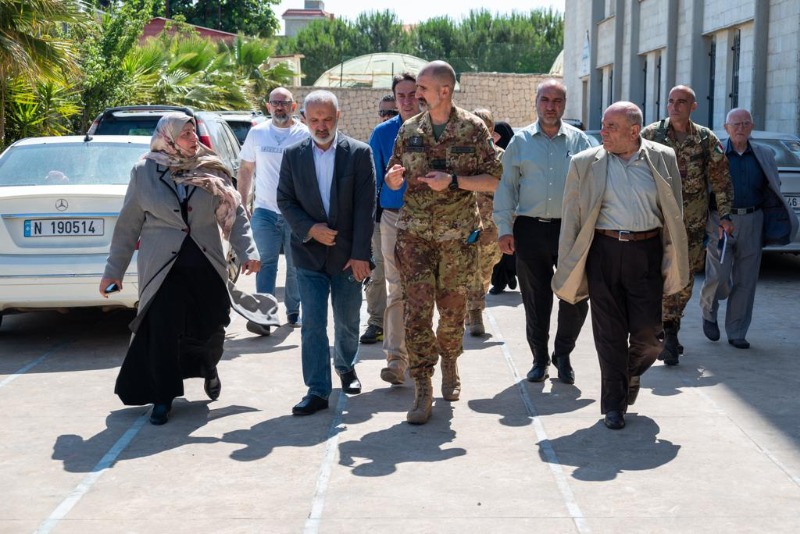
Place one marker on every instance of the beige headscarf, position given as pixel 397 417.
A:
pixel 204 170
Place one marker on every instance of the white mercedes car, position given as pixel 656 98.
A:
pixel 59 202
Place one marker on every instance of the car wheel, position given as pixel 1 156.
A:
pixel 234 266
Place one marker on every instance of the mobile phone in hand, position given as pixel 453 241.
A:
pixel 113 288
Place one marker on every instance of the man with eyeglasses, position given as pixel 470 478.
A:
pixel 404 89
pixel 375 291
pixel 387 107
pixel 261 156
pixel 703 168
pixel 761 216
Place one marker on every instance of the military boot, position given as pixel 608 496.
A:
pixel 423 399
pixel 394 372
pixel 670 353
pixel 475 321
pixel 451 382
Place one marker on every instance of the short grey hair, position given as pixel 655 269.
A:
pixel 552 82
pixel 321 96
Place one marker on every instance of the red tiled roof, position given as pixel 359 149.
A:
pixel 156 26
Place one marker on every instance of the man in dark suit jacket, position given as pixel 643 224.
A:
pixel 326 193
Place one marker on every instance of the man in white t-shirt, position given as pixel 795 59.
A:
pixel 261 155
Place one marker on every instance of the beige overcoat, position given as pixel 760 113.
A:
pixel 583 197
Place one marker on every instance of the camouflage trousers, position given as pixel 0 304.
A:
pixel 433 272
pixel 672 306
pixel 487 257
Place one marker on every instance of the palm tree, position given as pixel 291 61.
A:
pixel 250 59
pixel 32 42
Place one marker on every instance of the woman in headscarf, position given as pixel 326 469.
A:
pixel 505 271
pixel 179 206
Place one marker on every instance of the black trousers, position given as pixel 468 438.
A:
pixel 536 245
pixel 181 335
pixel 625 286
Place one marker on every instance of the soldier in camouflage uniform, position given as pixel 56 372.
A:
pixel 488 250
pixel 444 155
pixel 703 167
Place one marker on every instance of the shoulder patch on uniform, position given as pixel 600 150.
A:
pixel 718 149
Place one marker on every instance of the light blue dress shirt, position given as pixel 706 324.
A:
pixel 324 161
pixel 534 173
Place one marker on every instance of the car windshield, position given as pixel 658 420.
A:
pixel 69 163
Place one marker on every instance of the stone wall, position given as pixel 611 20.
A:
pixel 510 97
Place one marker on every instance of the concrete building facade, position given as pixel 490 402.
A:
pixel 733 53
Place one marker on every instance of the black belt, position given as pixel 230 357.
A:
pixel 625 235
pixel 743 211
pixel 393 210
pixel 543 220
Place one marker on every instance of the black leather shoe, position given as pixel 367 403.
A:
pixel 711 330
pixel 213 386
pixel 740 343
pixel 614 420
pixel 633 389
pixel 538 372
pixel 565 372
pixel 160 413
pixel 350 382
pixel 310 404
pixel 496 290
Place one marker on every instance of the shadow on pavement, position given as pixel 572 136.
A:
pixel 376 454
pixel 599 454
pixel 81 455
pixel 561 399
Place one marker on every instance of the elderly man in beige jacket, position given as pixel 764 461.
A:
pixel 622 244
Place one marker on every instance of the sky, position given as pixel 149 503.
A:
pixel 413 11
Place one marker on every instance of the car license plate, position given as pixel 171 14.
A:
pixel 63 227
pixel 794 202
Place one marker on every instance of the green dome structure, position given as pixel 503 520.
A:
pixel 370 70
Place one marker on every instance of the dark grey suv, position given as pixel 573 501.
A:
pixel 212 130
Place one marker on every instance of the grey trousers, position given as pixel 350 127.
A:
pixel 734 278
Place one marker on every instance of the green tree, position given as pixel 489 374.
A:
pixel 103 52
pixel 250 17
pixel 519 42
pixel 379 31
pixel 185 70
pixel 35 43
pixel 250 63
pixel 40 108
pixel 324 43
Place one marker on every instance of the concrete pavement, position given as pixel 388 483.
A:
pixel 711 446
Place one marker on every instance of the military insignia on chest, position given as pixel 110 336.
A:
pixel 415 144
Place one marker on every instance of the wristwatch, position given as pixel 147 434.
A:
pixel 453 183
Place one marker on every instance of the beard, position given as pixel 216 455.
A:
pixel 323 137
pixel 281 120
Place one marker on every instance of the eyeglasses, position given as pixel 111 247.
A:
pixel 280 103
pixel 388 112
pixel 742 124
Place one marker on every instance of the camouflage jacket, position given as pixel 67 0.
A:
pixel 703 167
pixel 465 148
